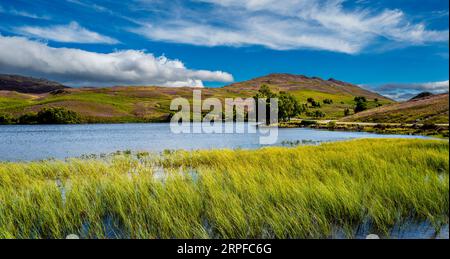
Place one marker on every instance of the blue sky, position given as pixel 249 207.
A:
pixel 397 47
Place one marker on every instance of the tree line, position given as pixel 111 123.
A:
pixel 52 115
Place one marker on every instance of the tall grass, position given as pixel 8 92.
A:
pixel 302 192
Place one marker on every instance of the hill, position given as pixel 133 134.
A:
pixel 296 83
pixel 151 103
pixel 302 87
pixel 23 84
pixel 421 95
pixel 428 109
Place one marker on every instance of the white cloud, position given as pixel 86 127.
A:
pixel 23 13
pixel 405 91
pixel 437 87
pixel 288 24
pixel 29 15
pixel 79 67
pixel 71 32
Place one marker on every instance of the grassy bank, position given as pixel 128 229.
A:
pixel 433 130
pixel 302 192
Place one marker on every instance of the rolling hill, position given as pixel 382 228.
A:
pixel 151 103
pixel 23 84
pixel 297 83
pixel 428 109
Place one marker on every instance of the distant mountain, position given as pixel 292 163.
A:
pixel 421 95
pixel 23 84
pixel 289 82
pixel 426 109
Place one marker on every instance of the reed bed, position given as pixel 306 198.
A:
pixel 299 192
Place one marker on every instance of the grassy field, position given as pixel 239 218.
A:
pixel 301 192
pixel 432 109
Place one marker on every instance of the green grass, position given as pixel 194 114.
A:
pixel 434 109
pixel 301 192
pixel 340 102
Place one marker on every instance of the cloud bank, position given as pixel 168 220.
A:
pixel 286 25
pixel 71 32
pixel 403 92
pixel 432 87
pixel 79 67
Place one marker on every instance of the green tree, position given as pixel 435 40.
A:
pixel 360 99
pixel 28 118
pixel 6 119
pixel 57 116
pixel 288 106
pixel 361 104
pixel 316 114
pixel 328 101
pixel 346 112
pixel 319 114
pixel 314 103
pixel 265 93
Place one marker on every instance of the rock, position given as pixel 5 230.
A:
pixel 72 236
pixel 372 236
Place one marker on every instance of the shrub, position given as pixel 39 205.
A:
pixel 429 126
pixel 331 125
pixel 380 126
pixel 307 123
pixel 6 119
pixel 28 118
pixel 361 99
pixel 360 106
pixel 328 101
pixel 346 112
pixel 316 114
pixel 313 102
pixel 57 116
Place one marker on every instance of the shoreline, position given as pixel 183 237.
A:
pixel 431 130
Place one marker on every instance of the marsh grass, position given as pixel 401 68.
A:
pixel 301 192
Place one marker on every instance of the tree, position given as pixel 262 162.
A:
pixel 331 125
pixel 346 112
pixel 328 101
pixel 288 106
pixel 319 114
pixel 360 99
pixel 316 114
pixel 28 118
pixel 57 116
pixel 265 93
pixel 6 119
pixel 361 104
